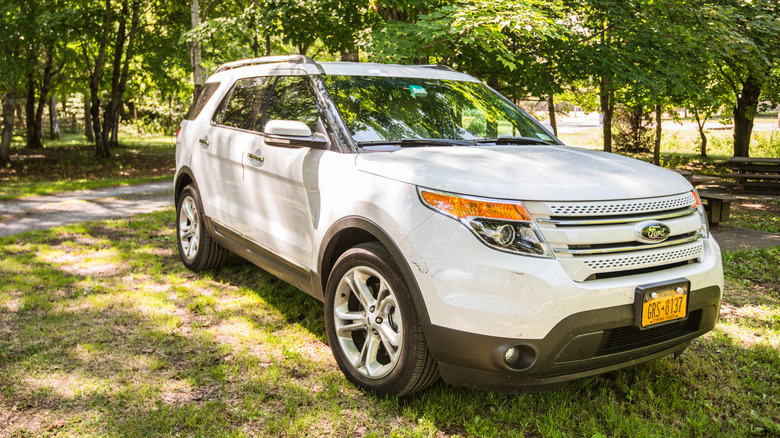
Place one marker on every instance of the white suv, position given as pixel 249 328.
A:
pixel 448 233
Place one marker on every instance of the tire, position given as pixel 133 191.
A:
pixel 372 324
pixel 198 251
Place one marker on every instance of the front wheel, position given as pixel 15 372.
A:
pixel 197 249
pixel 372 325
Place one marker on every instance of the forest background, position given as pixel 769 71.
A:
pixel 110 67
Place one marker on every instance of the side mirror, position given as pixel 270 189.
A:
pixel 291 128
pixel 292 133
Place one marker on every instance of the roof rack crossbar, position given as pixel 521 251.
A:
pixel 293 59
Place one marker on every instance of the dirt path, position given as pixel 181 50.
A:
pixel 42 212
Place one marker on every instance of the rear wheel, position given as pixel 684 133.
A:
pixel 198 251
pixel 372 324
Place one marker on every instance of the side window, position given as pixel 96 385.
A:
pixel 200 101
pixel 292 99
pixel 244 107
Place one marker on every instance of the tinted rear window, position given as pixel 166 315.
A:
pixel 200 101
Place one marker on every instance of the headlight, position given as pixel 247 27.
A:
pixel 502 225
pixel 705 226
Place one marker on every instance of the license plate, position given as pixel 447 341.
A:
pixel 662 304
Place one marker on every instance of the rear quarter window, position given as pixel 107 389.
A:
pixel 201 99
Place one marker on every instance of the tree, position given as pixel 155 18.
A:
pixel 746 54
pixel 123 52
pixel 11 22
pixel 44 30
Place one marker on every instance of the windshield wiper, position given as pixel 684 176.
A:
pixel 514 140
pixel 418 142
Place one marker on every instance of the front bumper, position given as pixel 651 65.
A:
pixel 581 345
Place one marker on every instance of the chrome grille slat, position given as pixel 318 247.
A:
pixel 621 220
pixel 580 252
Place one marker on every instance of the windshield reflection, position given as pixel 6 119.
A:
pixel 377 109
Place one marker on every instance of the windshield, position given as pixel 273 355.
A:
pixel 389 109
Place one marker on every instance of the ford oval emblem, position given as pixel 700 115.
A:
pixel 652 232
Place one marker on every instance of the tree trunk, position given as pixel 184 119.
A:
pixel 9 105
pixel 19 116
pixel 700 124
pixel 197 68
pixel 119 75
pixel 54 123
pixel 350 56
pixel 267 44
pixel 89 132
pixel 111 108
pixel 48 75
pixel 551 111
pixel 94 85
pixel 744 114
pixel 33 139
pixel 606 98
pixel 657 145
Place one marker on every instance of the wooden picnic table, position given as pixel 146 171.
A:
pixel 755 172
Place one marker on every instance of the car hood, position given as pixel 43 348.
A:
pixel 532 173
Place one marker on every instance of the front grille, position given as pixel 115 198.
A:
pixel 628 338
pixel 597 238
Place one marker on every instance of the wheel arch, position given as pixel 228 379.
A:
pixel 183 178
pixel 351 231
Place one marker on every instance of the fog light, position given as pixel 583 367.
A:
pixel 520 357
pixel 511 356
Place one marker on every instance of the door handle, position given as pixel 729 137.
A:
pixel 204 142
pixel 255 156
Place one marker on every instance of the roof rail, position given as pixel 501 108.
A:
pixel 292 59
pixel 438 67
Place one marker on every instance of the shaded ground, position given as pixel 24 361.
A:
pixel 732 238
pixel 78 162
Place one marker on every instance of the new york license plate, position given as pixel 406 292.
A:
pixel 664 304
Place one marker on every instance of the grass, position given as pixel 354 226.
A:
pixel 680 149
pixel 755 213
pixel 104 333
pixel 69 164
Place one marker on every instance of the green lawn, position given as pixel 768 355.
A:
pixel 69 164
pixel 680 149
pixel 104 333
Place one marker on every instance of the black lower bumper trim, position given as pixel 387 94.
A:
pixel 581 345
